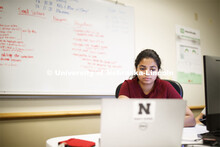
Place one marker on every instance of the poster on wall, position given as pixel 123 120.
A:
pixel 189 58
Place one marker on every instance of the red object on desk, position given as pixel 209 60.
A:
pixel 73 142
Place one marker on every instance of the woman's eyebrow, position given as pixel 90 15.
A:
pixel 146 66
pixel 143 65
pixel 153 66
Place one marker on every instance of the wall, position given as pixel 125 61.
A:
pixel 35 132
pixel 155 28
pixel 155 22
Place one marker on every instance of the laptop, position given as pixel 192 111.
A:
pixel 142 122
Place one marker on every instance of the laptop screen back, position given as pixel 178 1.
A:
pixel 142 122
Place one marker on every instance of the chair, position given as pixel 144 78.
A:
pixel 175 84
pixel 118 90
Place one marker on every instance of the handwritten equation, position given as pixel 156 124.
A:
pixel 12 47
pixel 60 6
pixel 89 45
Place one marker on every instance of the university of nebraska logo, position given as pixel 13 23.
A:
pixel 144 111
pixel 143 108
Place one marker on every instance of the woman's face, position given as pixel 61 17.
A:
pixel 147 71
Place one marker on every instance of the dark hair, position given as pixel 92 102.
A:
pixel 148 53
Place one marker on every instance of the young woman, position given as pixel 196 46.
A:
pixel 147 84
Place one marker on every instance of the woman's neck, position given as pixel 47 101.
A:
pixel 147 88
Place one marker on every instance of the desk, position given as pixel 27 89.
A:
pixel 190 134
pixel 189 137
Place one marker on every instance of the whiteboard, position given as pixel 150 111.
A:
pixel 67 47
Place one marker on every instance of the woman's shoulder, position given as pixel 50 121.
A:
pixel 131 81
pixel 167 86
pixel 162 82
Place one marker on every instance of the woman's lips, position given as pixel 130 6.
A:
pixel 146 78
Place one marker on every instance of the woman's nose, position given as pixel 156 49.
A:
pixel 147 72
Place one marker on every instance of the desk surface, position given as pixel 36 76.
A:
pixel 189 137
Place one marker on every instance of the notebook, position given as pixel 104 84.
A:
pixel 142 122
